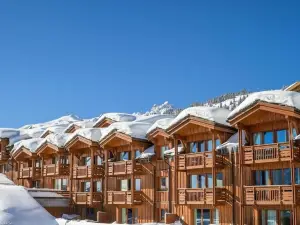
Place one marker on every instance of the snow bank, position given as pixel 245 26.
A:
pixel 285 98
pixel 232 144
pixel 214 114
pixel 117 117
pixel 162 124
pixel 17 207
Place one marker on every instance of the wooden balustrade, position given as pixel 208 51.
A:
pixel 124 197
pixel 123 168
pixel 86 171
pixel 28 172
pixel 87 198
pixel 267 153
pixel 56 170
pixel 268 195
pixel 200 195
pixel 198 160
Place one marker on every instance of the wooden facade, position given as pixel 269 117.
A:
pixel 257 184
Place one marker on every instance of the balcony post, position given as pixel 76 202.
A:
pixel 57 171
pixel 176 168
pixel 42 171
pixel 214 167
pixel 92 173
pixel 71 172
pixel 241 155
pixel 106 175
pixel 33 168
pixel 132 173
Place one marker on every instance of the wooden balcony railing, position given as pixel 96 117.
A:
pixel 86 171
pixel 123 168
pixel 28 172
pixel 162 196
pixel 267 153
pixel 87 198
pixel 56 170
pixel 4 155
pixel 124 197
pixel 198 160
pixel 268 195
pixel 200 195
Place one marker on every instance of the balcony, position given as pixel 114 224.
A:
pixel 56 170
pixel 124 197
pixel 191 196
pixel 4 155
pixel 87 198
pixel 266 153
pixel 28 172
pixel 81 172
pixel 268 195
pixel 123 168
pixel 198 160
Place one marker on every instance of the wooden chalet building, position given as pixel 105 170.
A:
pixel 205 166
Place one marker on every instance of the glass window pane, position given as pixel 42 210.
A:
pixel 271 217
pixel 201 180
pixel 268 137
pixel 193 147
pixel 216 217
pixel 64 184
pixel 87 161
pixel 209 181
pixel 86 186
pixel 124 215
pixel 201 145
pixel 162 214
pixel 98 186
pixel 285 217
pixel 206 216
pixel 193 180
pixel 219 177
pixel 294 133
pixel 276 177
pixel 124 156
pixel 137 153
pixel 287 176
pixel 124 185
pixel 218 142
pixel 297 175
pixel 197 216
pixel 98 160
pixel 257 139
pixel 137 184
pixel 209 145
pixel 282 136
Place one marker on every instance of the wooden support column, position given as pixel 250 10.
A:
pixel 214 167
pixel 132 175
pixel 93 150
pixel 42 171
pixel 176 168
pixel 71 172
pixel 106 176
pixel 33 171
pixel 57 172
pixel 240 134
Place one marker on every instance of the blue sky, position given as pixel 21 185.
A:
pixel 89 57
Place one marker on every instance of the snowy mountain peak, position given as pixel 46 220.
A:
pixel 163 109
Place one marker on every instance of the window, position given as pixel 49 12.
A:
pixel 285 217
pixel 209 181
pixel 276 177
pixel 193 181
pixel 86 186
pixel 216 217
pixel 36 184
pixel 201 146
pixel 193 147
pixel 98 160
pixel 125 156
pixel 64 160
pixel 162 151
pixel 268 217
pixel 209 145
pixel 162 215
pixel 86 161
pixel 164 183
pixel 219 177
pixel 201 181
pixel 257 139
pixel 98 186
pixel 218 142
pixel 268 137
pixel 125 185
pixel 297 175
pixel 202 216
pixel 287 176
pixel 282 136
pixel 37 163
pixel 137 153
pixel 273 177
pixel 294 133
pixel 137 184
pixel 261 177
pixel 64 184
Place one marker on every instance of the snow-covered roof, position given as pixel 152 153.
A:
pixel 152 118
pixel 117 117
pixel 30 144
pixel 214 114
pixel 8 132
pixel 5 180
pixel 232 144
pixel 171 152
pixel 292 86
pixel 133 129
pixel 57 139
pixel 83 124
pixel 285 98
pixel 92 134
pixel 162 124
pixel 43 193
pixel 148 153
pixel 54 129
pixel 18 207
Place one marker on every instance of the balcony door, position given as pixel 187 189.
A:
pixel 276 217
pixel 129 216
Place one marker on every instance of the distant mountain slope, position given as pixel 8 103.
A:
pixel 164 109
